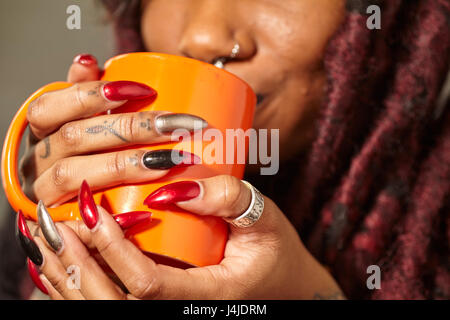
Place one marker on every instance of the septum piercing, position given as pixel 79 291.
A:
pixel 220 62
pixel 235 51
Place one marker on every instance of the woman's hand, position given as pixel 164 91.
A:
pixel 265 260
pixel 68 135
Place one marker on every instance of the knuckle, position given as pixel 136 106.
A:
pixel 60 174
pixel 106 245
pixel 232 189
pixel 128 126
pixel 144 286
pixel 36 110
pixel 70 134
pixel 116 165
pixel 216 281
pixel 139 284
pixel 83 233
pixel 26 166
pixel 58 282
pixel 79 97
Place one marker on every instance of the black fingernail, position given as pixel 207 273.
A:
pixel 166 159
pixel 26 241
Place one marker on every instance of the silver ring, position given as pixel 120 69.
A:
pixel 254 211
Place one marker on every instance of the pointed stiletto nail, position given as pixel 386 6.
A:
pixel 34 274
pixel 127 90
pixel 85 59
pixel 171 193
pixel 25 239
pixel 49 229
pixel 87 206
pixel 166 159
pixel 130 219
pixel 168 123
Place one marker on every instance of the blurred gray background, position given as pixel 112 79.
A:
pixel 36 48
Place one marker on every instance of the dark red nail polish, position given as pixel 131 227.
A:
pixel 127 90
pixel 86 204
pixel 171 193
pixel 26 241
pixel 130 219
pixel 85 59
pixel 22 225
pixel 34 274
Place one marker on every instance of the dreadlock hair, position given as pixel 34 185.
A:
pixel 375 189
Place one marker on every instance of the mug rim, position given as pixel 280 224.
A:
pixel 167 56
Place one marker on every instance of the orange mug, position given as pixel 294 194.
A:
pixel 173 237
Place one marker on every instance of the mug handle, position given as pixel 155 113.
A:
pixel 10 154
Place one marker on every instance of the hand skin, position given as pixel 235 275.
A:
pixel 65 138
pixel 264 261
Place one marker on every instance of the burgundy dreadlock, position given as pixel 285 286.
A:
pixel 376 186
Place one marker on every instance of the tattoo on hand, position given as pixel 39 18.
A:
pixel 146 125
pixel 334 296
pixel 106 127
pixel 94 92
pixel 47 148
pixel 134 160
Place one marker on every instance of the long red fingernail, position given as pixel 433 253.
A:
pixel 85 59
pixel 127 90
pixel 34 274
pixel 86 204
pixel 130 219
pixel 171 193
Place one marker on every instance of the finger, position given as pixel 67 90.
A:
pixel 54 239
pixel 34 275
pixel 51 110
pixel 140 275
pixel 92 280
pixel 62 181
pixel 28 234
pixel 222 196
pixel 52 292
pixel 107 132
pixel 84 68
pixel 56 273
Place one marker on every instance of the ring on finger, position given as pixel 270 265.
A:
pixel 253 212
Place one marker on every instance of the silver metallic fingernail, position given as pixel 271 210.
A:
pixel 167 123
pixel 48 227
